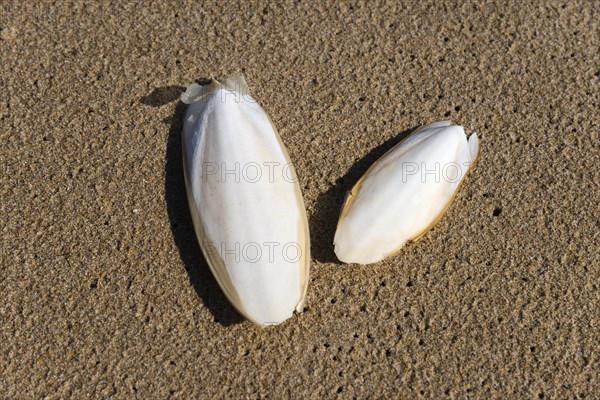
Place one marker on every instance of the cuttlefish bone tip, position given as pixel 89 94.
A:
pixel 473 143
pixel 196 91
pixel 192 93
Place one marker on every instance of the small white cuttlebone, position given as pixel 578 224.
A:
pixel 245 201
pixel 404 193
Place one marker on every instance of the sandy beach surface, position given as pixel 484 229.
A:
pixel 104 292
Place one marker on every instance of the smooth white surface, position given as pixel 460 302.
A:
pixel 237 217
pixel 404 193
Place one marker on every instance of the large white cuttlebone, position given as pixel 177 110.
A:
pixel 404 193
pixel 245 201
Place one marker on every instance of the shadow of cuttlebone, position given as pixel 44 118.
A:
pixel 180 218
pixel 323 221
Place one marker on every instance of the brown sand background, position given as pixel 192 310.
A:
pixel 103 289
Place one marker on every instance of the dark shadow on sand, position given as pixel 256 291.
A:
pixel 323 221
pixel 179 214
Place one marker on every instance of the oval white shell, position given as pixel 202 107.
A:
pixel 404 193
pixel 245 202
